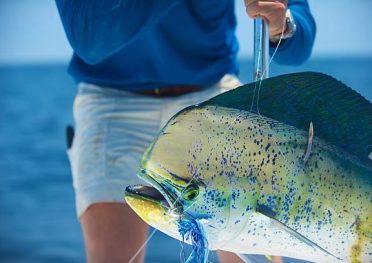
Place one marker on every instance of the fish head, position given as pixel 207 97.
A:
pixel 172 198
pixel 188 182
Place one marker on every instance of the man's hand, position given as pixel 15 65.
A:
pixel 273 12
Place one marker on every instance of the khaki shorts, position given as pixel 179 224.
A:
pixel 112 130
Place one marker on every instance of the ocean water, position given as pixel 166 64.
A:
pixel 37 214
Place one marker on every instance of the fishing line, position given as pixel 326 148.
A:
pixel 267 66
pixel 143 245
pixel 256 69
pixel 182 252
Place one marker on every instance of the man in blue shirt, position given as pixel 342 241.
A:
pixel 137 63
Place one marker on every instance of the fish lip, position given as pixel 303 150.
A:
pixel 147 193
pixel 171 199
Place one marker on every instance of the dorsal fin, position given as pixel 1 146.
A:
pixel 341 116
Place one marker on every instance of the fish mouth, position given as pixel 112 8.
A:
pixel 159 192
pixel 155 204
pixel 148 193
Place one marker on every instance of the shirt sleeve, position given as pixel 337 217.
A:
pixel 97 29
pixel 297 49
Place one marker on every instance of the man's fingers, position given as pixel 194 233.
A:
pixel 272 12
pixel 248 2
pixel 265 9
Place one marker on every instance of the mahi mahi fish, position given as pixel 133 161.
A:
pixel 278 168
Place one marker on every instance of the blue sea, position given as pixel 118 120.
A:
pixel 37 220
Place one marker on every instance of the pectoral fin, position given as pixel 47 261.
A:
pixel 266 211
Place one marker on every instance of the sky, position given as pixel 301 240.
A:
pixel 31 31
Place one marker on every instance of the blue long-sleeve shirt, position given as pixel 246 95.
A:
pixel 146 44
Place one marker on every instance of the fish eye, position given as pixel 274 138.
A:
pixel 191 192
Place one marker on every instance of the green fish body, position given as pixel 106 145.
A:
pixel 267 177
